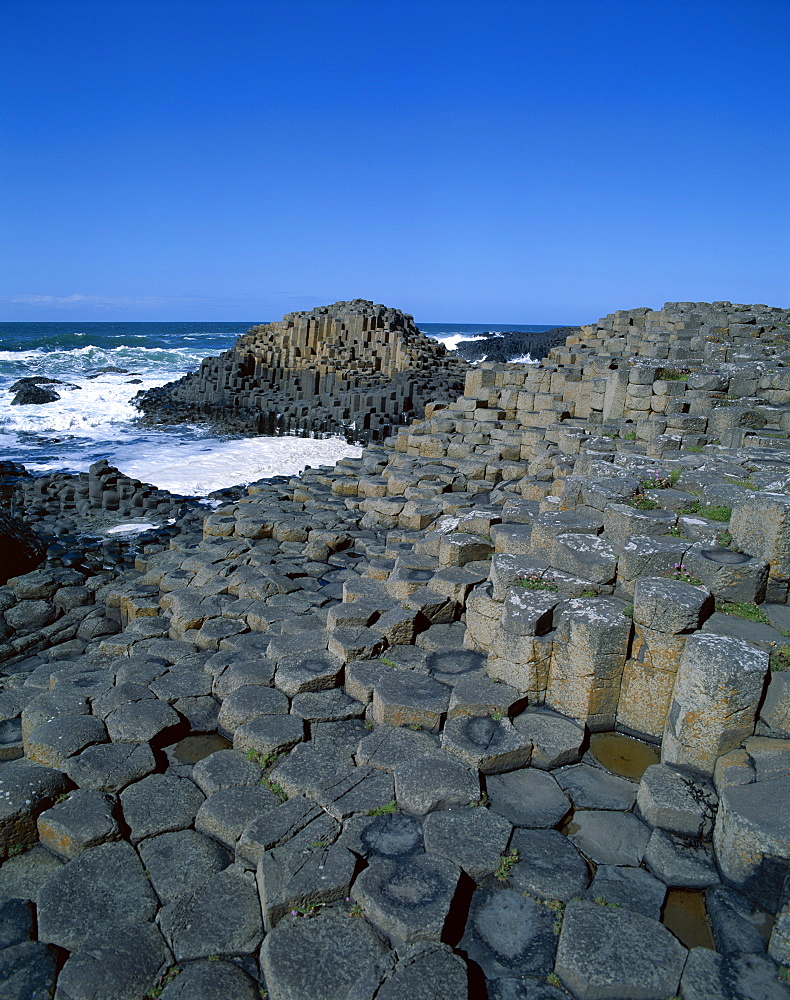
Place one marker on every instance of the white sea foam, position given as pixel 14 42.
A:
pixel 524 359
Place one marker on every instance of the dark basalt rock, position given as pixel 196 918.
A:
pixel 506 346
pixel 22 548
pixel 352 368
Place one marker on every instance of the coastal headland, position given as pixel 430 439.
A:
pixel 499 709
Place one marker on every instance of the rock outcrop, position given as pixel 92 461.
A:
pixel 395 671
pixel 353 368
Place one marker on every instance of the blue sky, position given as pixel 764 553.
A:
pixel 510 161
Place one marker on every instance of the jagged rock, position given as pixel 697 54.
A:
pixel 26 790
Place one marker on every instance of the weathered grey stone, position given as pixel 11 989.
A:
pixel 120 694
pixel 408 901
pixel 528 612
pixel 249 702
pixel 528 798
pixel 242 673
pixel 609 838
pixel 426 971
pixel 729 575
pixel 523 989
pixel 714 704
pixel 761 527
pixel 223 916
pixel 779 944
pixel 770 757
pixel 509 934
pixel 406 699
pixel 225 769
pixel 317 671
pixel 680 863
pixel 362 790
pixel 775 710
pixel 270 734
pixel 211 980
pixel 53 742
pixel 117 962
pixel 342 950
pixel 670 606
pixel 306 871
pixel 438 781
pixel 142 722
pixel 710 976
pixel 103 884
pixel 734 921
pixel 181 862
pixel 23 875
pixel 591 788
pixel 389 746
pixel 676 801
pixel 308 770
pixel 550 867
pixel 632 888
pixel 16 921
pixel 391 835
pixel 490 745
pixel 326 706
pixel 110 767
pixel 27 971
pixel 160 803
pixel 85 819
pixel 274 827
pixel 555 740
pixel 180 682
pixel 473 839
pixel 451 664
pixel 752 839
pixel 225 814
pixel 476 694
pixel 26 790
pixel 605 952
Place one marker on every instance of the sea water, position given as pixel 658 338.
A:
pixel 96 418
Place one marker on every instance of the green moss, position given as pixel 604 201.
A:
pixel 383 810
pixel 506 864
pixel 742 609
pixel 693 447
pixel 780 659
pixel 717 513
pixel 642 502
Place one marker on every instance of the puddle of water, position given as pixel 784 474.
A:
pixel 194 748
pixel 623 755
pixel 684 914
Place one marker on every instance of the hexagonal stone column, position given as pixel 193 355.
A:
pixel 714 703
pixel 85 819
pixel 409 901
pixel 490 745
pixel 403 698
pixel 510 935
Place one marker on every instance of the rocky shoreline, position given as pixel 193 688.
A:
pixel 402 664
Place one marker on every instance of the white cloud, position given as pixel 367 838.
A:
pixel 97 301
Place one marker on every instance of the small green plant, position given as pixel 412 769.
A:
pixel 506 864
pixel 589 593
pixel 275 788
pixel 368 724
pixel 692 508
pixel 681 573
pixel 747 484
pixel 717 513
pixel 780 659
pixel 383 810
pixel 554 980
pixel 673 374
pixel 537 581
pixel 415 727
pixel 742 609
pixel 482 801
pixel 61 798
pixel 213 957
pixel 356 911
pixel 628 611
pixel 321 842
pixel 603 901
pixel 675 532
pixel 557 907
pixel 307 910
pixel 693 447
pixel 387 662
pixel 784 973
pixel 163 981
pixel 724 538
pixel 263 759
pixel 630 436
pixel 496 714
pixel 15 850
pixel 653 480
pixel 641 501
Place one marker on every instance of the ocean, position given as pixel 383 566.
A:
pixel 95 417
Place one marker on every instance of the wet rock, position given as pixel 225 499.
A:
pixel 85 819
pixel 528 798
pixel 605 952
pixel 22 548
pixel 392 835
pixel 680 862
pixel 676 802
pixel 549 865
pixel 117 962
pixel 408 901
pixel 509 934
pixel 181 862
pixel 94 889
pixel 490 745
pixel 734 921
pixel 158 804
pixel 27 971
pixel 473 839
pixel 342 949
pixel 223 916
pixel 16 921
